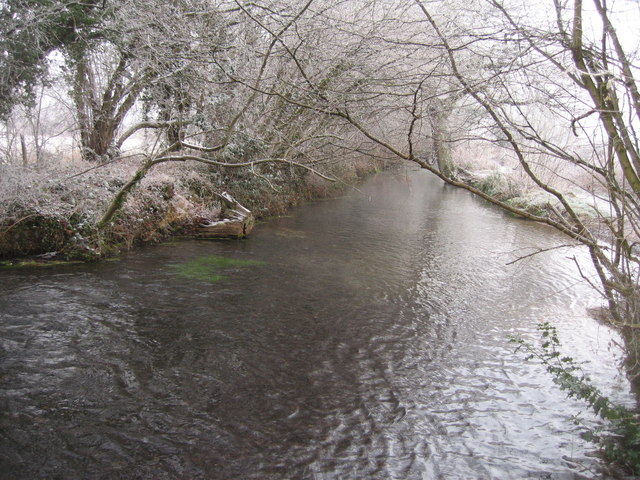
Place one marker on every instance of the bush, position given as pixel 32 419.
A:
pixel 622 446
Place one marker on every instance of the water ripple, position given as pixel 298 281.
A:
pixel 372 344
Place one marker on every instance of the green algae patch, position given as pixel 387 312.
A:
pixel 290 233
pixel 212 268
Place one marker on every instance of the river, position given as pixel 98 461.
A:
pixel 362 337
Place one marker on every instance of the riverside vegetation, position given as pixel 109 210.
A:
pixel 622 444
pixel 161 105
pixel 46 219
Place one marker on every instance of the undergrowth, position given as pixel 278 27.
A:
pixel 54 211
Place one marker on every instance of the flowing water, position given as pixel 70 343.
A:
pixel 362 337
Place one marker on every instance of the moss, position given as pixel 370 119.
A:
pixel 32 233
pixel 30 263
pixel 212 268
pixel 81 248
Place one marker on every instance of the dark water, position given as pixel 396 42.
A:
pixel 370 344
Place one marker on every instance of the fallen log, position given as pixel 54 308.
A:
pixel 235 221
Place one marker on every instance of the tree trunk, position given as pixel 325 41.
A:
pixel 236 221
pixel 439 115
pixel 23 146
pixel 100 113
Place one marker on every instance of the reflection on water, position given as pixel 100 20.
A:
pixel 361 338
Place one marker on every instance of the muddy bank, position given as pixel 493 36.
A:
pixel 52 215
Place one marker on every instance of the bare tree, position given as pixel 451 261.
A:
pixel 243 136
pixel 407 75
pixel 558 66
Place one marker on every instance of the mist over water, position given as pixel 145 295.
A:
pixel 363 337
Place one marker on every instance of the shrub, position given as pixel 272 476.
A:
pixel 622 445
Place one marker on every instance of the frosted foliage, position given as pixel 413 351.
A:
pixel 58 191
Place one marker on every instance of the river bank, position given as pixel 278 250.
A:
pixel 49 214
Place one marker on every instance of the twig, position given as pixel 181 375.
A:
pixel 541 250
pixel 95 167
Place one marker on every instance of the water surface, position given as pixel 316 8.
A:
pixel 363 337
